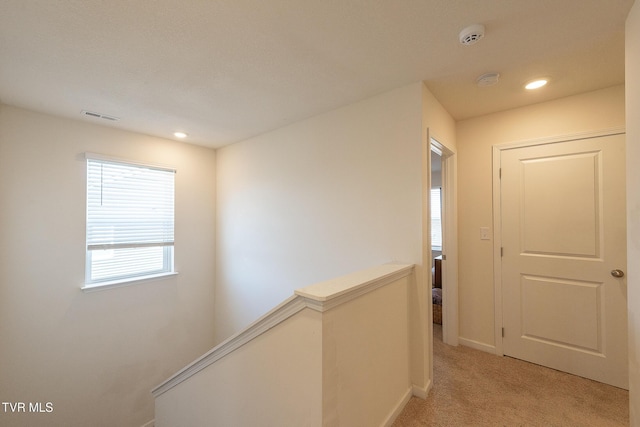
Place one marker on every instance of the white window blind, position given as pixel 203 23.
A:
pixel 130 221
pixel 436 218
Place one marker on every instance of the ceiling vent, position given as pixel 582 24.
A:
pixel 99 116
pixel 488 79
pixel 471 35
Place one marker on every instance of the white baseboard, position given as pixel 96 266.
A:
pixel 477 345
pixel 421 392
pixel 398 408
pixel 151 423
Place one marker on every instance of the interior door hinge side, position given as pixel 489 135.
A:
pixel 502 332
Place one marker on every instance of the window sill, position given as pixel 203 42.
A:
pixel 93 287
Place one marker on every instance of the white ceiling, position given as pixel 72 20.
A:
pixel 225 70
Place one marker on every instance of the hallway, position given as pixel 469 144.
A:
pixel 474 388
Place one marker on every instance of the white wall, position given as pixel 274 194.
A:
pixel 315 200
pixel 273 380
pixel 95 355
pixel 633 205
pixel 321 198
pixel 591 111
pixel 437 121
pixel 366 357
pixel 436 171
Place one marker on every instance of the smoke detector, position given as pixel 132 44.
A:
pixel 488 79
pixel 471 35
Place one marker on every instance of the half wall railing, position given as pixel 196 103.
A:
pixel 334 354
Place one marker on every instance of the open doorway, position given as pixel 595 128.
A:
pixel 443 240
pixel 436 236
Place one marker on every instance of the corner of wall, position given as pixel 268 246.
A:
pixel 632 55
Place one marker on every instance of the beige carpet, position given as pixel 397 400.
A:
pixel 474 388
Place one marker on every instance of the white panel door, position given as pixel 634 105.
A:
pixel 563 235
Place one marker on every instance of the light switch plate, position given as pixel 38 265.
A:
pixel 484 233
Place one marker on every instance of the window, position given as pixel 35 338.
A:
pixel 130 219
pixel 436 218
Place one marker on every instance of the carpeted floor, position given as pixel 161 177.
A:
pixel 474 388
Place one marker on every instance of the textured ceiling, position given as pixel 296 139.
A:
pixel 225 70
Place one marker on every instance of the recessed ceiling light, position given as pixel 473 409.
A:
pixel 536 84
pixel 180 135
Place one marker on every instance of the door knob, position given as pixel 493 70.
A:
pixel 617 273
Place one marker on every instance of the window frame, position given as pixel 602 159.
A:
pixel 168 252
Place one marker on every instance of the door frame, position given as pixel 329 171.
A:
pixel 497 212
